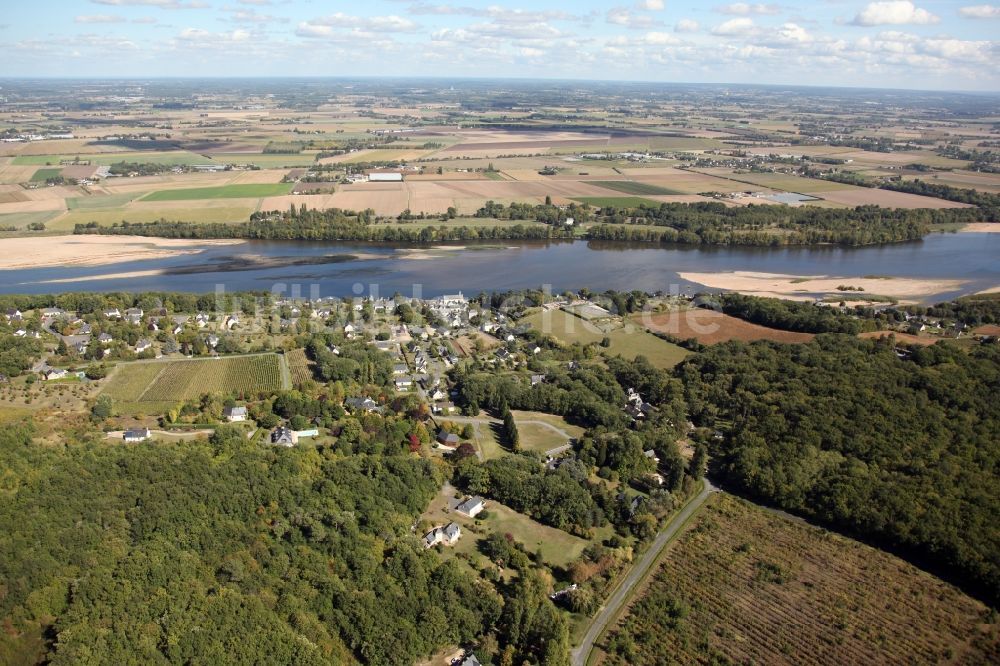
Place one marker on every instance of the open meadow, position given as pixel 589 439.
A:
pixel 626 339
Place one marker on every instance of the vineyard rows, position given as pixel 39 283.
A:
pixel 175 381
pixel 746 586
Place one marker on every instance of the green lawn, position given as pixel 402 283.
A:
pixel 44 174
pixel 626 340
pixel 221 192
pixel 558 548
pixel 633 187
pixel 617 202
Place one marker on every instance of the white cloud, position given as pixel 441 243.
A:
pixel 99 18
pixel 237 15
pixel 788 35
pixel 746 9
pixel 162 4
pixel 687 25
pixel 650 5
pixel 327 26
pixel 204 36
pixel 980 11
pixel 894 12
pixel 735 27
pixel 624 17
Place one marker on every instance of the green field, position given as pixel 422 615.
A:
pixel 98 202
pixel 627 341
pixel 632 187
pixel 44 174
pixel 617 202
pixel 24 219
pixel 221 192
pixel 269 161
pixel 153 386
pixel 202 215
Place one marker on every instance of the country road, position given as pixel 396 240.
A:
pixel 623 592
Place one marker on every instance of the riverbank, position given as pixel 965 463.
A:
pixel 87 250
pixel 805 288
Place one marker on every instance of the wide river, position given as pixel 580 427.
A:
pixel 342 269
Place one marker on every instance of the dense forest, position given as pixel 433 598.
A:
pixel 228 553
pixel 718 224
pixel 843 431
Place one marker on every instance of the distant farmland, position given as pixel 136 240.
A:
pixel 153 386
pixel 221 192
pixel 634 187
pixel 617 202
pixel 745 586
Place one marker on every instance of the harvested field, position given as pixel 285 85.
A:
pixel 866 196
pixel 987 329
pixel 710 327
pixel 743 585
pixel 615 202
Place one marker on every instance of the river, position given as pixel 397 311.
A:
pixel 342 269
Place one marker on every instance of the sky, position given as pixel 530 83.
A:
pixel 918 44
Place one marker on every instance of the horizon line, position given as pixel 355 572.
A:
pixel 419 77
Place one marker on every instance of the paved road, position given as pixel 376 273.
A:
pixel 623 592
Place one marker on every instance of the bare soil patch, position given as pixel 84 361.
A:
pixel 710 327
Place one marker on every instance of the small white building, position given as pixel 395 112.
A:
pixel 235 414
pixel 385 177
pixel 136 435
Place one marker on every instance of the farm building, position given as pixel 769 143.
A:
pixel 385 177
pixel 471 507
pixel 136 435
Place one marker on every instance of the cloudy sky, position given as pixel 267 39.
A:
pixel 925 44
